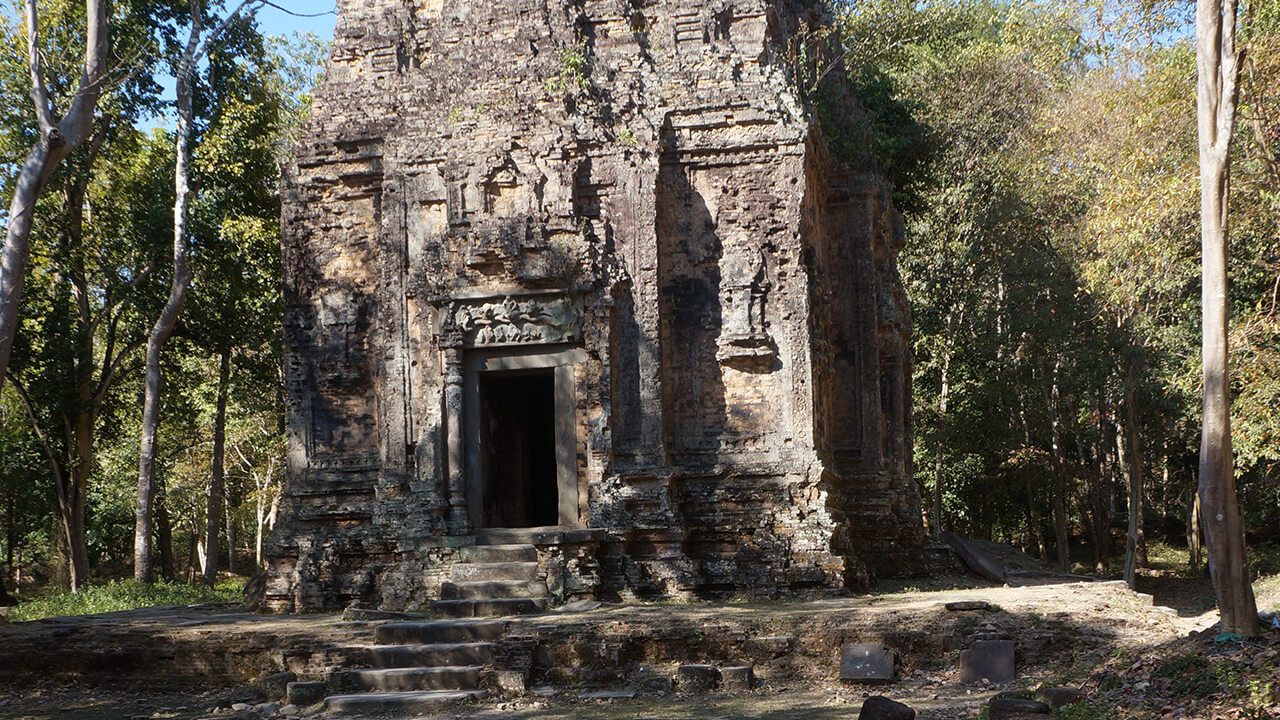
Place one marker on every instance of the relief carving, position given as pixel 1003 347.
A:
pixel 514 321
pixel 745 333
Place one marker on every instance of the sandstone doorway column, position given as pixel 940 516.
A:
pixel 455 444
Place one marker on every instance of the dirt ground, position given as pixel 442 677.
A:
pixel 1132 656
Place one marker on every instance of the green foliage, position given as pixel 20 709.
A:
pixel 574 77
pixel 120 595
pixel 99 277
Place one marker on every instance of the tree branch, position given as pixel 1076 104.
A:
pixel 112 302
pixel 35 427
pixel 39 93
pixel 254 5
pixel 109 373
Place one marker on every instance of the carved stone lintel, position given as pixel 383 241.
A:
pixel 515 321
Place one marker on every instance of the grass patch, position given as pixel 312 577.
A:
pixel 124 595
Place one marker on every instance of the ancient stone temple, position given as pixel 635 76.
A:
pixel 581 283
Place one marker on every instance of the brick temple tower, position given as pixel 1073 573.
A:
pixel 584 280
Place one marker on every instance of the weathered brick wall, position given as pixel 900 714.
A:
pixel 725 290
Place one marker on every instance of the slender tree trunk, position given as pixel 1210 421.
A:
pixel 1218 65
pixel 1193 530
pixel 11 536
pixel 164 535
pixel 231 536
pixel 1136 540
pixel 217 481
pixel 142 561
pixel 260 518
pixel 57 140
pixel 942 425
pixel 1060 531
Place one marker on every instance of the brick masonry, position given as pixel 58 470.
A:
pixel 631 197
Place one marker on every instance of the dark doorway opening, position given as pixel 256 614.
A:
pixel 518 423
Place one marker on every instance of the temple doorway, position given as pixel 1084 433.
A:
pixel 518 427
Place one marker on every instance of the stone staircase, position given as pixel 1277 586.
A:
pixel 493 579
pixel 420 667
pixel 426 666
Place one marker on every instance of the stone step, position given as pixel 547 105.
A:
pixel 400 702
pixel 550 535
pixel 520 536
pixel 482 608
pixel 494 572
pixel 420 678
pixel 429 655
pixel 492 590
pixel 498 553
pixel 447 631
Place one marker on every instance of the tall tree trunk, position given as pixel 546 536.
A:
pixel 142 561
pixel 57 140
pixel 11 537
pixel 231 536
pixel 942 433
pixel 260 513
pixel 1218 65
pixel 164 535
pixel 1136 540
pixel 217 480
pixel 194 51
pixel 1060 530
pixel 1193 530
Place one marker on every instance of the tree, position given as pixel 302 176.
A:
pixel 196 47
pixel 58 138
pixel 1218 65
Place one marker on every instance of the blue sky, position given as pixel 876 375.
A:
pixel 275 21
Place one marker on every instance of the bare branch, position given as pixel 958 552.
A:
pixel 115 300
pixel 109 373
pixel 253 8
pixel 35 427
pixel 39 93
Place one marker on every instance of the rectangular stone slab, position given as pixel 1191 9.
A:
pixel 990 660
pixel 866 662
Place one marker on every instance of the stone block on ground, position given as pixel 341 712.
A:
pixel 698 678
pixel 578 606
pixel 653 683
pixel 866 662
pixel 737 678
pixel 303 694
pixel 878 707
pixel 276 686
pixel 1056 697
pixel 609 695
pixel 509 682
pixel 971 605
pixel 990 660
pixel 976 560
pixel 1002 708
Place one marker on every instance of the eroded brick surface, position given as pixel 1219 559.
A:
pixel 631 198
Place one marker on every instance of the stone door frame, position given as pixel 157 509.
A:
pixel 560 359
